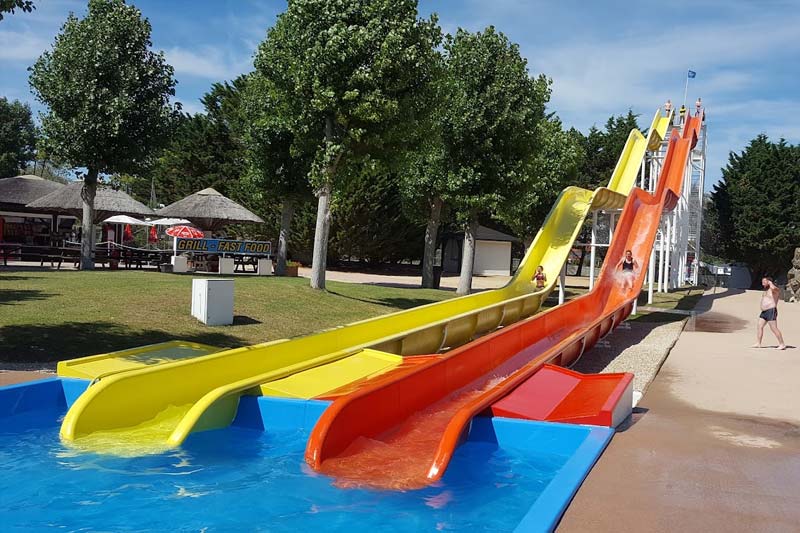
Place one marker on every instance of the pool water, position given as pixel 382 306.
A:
pixel 246 479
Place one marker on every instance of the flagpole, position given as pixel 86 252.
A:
pixel 686 89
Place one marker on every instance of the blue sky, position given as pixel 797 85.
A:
pixel 604 57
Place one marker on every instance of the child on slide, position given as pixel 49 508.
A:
pixel 628 267
pixel 540 277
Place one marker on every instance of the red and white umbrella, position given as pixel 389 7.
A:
pixel 185 232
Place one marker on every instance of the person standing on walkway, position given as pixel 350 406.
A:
pixel 769 312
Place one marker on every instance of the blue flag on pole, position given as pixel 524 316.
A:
pixel 691 74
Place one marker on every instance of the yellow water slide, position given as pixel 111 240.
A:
pixel 161 404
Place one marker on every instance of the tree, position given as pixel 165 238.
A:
pixel 424 180
pixel 713 237
pixel 425 185
pixel 756 207
pixel 602 149
pixel 553 167
pixel 48 171
pixel 489 128
pixel 371 221
pixel 348 75
pixel 275 168
pixel 17 137
pixel 205 150
pixel 108 98
pixel 10 6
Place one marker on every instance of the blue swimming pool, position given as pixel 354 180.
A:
pixel 251 476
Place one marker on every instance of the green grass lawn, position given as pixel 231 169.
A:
pixel 50 316
pixel 55 315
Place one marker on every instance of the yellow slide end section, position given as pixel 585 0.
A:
pixel 323 379
pixel 106 364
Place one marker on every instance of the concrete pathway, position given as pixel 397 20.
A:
pixel 448 281
pixel 715 442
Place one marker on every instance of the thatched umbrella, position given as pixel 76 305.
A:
pixel 19 191
pixel 107 202
pixel 209 210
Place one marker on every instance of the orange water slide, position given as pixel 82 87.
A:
pixel 402 433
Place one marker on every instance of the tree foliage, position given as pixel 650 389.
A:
pixel 10 6
pixel 107 92
pixel 371 223
pixel 491 115
pixel 553 167
pixel 277 166
pixel 17 137
pixel 205 149
pixel 755 207
pixel 602 149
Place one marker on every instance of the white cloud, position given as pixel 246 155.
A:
pixel 206 62
pixel 23 46
pixel 641 69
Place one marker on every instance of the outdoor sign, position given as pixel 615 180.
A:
pixel 222 246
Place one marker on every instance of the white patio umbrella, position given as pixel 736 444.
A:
pixel 169 222
pixel 125 219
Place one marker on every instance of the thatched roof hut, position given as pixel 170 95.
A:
pixel 107 202
pixel 19 191
pixel 209 210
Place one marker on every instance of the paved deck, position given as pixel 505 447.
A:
pixel 715 444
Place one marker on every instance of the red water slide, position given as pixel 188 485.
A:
pixel 402 433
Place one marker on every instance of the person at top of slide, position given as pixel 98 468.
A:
pixel 698 106
pixel 540 277
pixel 769 313
pixel 667 107
pixel 628 265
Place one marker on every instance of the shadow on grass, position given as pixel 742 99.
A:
pixel 242 320
pixel 393 302
pixel 3 277
pixel 15 296
pixel 41 343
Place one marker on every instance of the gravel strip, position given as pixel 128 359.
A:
pixel 48 367
pixel 638 347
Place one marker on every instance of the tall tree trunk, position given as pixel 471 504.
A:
pixel 527 241
pixel 287 211
pixel 319 258
pixel 431 231
pixel 88 192
pixel 467 258
pixel 580 261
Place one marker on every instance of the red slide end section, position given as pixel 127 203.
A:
pixel 556 394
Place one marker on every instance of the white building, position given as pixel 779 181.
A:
pixel 492 253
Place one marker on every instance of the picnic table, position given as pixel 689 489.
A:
pixel 9 251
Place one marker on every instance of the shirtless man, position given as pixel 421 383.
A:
pixel 769 312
